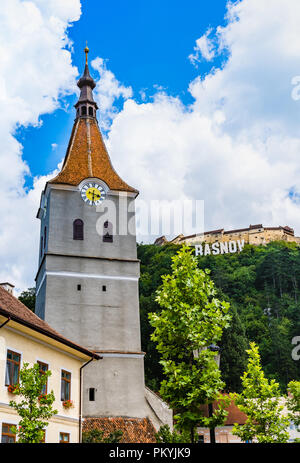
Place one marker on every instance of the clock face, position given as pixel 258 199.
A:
pixel 92 193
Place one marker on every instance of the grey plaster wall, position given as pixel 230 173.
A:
pixel 94 318
pixel 99 320
pixel 44 223
pixel 160 413
pixel 120 388
pixel 41 300
pixel 67 206
pixel 93 266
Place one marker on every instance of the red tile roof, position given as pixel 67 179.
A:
pixel 87 157
pixel 12 308
pixel 254 227
pixel 161 240
pixel 234 414
pixel 229 232
pixel 215 232
pixel 135 430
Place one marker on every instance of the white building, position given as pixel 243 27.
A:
pixel 24 337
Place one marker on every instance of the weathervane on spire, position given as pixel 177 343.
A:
pixel 86 51
pixel 86 105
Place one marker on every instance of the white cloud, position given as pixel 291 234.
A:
pixel 35 71
pixel 205 48
pixel 238 146
pixel 254 87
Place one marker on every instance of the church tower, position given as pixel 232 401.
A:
pixel 87 280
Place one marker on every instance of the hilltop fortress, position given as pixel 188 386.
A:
pixel 255 234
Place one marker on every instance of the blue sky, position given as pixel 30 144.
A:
pixel 146 44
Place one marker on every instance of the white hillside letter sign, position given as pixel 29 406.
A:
pixel 217 248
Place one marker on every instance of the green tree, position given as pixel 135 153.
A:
pixel 262 284
pixel 293 402
pixel 34 408
pixel 155 262
pixel 191 319
pixel 28 298
pixel 95 436
pixel 233 353
pixel 261 401
pixel 166 436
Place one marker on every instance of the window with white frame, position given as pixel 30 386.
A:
pixel 65 385
pixel 8 436
pixel 13 362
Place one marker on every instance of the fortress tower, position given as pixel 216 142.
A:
pixel 87 280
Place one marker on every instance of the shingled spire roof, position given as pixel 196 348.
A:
pixel 87 156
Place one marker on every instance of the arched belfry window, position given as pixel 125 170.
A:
pixel 107 232
pixel 78 227
pixel 83 111
pixel 91 111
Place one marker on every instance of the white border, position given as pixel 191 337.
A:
pixel 84 275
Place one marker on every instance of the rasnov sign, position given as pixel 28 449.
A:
pixel 230 247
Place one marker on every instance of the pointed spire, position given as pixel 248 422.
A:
pixel 87 156
pixel 86 105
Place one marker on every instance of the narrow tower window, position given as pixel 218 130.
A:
pixel 78 229
pixel 92 394
pixel 107 232
pixel 83 111
pixel 91 112
pixel 104 289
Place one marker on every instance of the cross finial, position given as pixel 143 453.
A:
pixel 86 51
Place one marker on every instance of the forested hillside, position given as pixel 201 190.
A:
pixel 263 286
